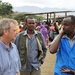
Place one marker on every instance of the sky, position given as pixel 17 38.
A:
pixel 70 4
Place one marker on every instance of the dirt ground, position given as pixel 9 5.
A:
pixel 48 67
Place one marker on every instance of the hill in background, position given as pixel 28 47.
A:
pixel 34 9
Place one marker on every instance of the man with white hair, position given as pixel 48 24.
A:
pixel 9 57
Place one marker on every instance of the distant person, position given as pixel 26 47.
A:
pixel 44 31
pixel 9 57
pixel 32 49
pixel 37 24
pixel 20 28
pixel 56 28
pixel 64 46
pixel 59 25
pixel 38 28
pixel 53 30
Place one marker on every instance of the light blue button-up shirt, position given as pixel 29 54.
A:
pixel 33 51
pixel 9 59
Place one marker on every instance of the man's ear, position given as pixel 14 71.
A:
pixel 5 31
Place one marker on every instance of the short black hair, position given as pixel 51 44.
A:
pixel 72 18
pixel 28 17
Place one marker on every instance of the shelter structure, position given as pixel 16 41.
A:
pixel 49 14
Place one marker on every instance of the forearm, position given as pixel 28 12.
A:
pixel 55 44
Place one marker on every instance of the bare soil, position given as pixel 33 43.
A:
pixel 48 67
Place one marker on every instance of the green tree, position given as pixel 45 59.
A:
pixel 5 8
pixel 19 16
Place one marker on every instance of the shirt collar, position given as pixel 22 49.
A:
pixel 65 36
pixel 25 32
pixel 6 47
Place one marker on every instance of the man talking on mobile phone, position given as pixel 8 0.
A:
pixel 64 47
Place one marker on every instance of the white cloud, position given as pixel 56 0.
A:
pixel 43 3
pixel 14 2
